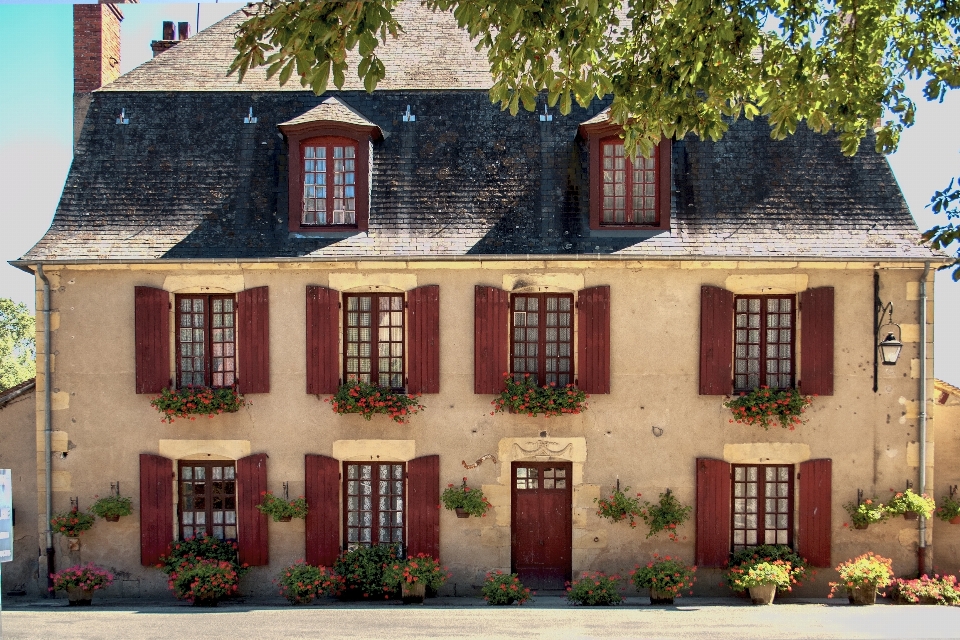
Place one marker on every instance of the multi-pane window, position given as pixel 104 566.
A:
pixel 374 510
pixel 373 342
pixel 629 187
pixel 541 328
pixel 207 499
pixel 206 340
pixel 329 182
pixel 763 342
pixel 762 505
pixel 529 478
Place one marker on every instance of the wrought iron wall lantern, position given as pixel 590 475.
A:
pixel 888 349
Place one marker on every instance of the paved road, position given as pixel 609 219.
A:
pixel 548 617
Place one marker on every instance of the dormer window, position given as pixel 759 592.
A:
pixel 625 194
pixel 329 180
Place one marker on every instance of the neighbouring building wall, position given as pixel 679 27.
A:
pixel 17 445
pixel 946 414
pixel 647 433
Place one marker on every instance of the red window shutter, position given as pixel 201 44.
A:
pixel 593 357
pixel 152 338
pixel 251 524
pixel 423 506
pixel 323 340
pixel 156 507
pixel 423 349
pixel 322 491
pixel 491 331
pixel 815 511
pixel 253 340
pixel 716 341
pixel 816 341
pixel 713 513
pixel 664 175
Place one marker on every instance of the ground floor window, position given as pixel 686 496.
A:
pixel 762 505
pixel 207 499
pixel 374 494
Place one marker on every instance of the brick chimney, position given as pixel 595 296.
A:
pixel 96 53
pixel 169 39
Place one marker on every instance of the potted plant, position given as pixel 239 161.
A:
pixel 866 513
pixel 190 402
pixel 762 579
pixel 282 510
pixel 112 507
pixel 767 407
pixel 501 588
pixel 926 590
pixel 949 509
pixel 619 506
pixel 862 577
pixel 744 558
pixel 362 571
pixel 201 548
pixel 71 524
pixel 80 582
pixel 665 515
pixel 204 583
pixel 301 583
pixel 522 396
pixel 595 589
pixel 465 501
pixel 368 400
pixel 664 577
pixel 911 505
pixel 414 576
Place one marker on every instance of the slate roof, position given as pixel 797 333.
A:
pixel 186 179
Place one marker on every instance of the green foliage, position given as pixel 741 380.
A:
pixel 666 515
pixel 619 506
pixel 463 497
pixel 863 571
pixel 949 508
pixel 926 590
pixel 71 523
pixel 666 575
pixel 673 66
pixel 910 502
pixel 18 350
pixel 766 407
pixel 368 399
pixel 207 580
pixel 757 574
pixel 362 571
pixel 799 569
pixel 279 508
pixel 88 576
pixel 190 402
pixel 522 396
pixel 300 583
pixel 422 569
pixel 501 588
pixel 867 512
pixel 941 237
pixel 112 505
pixel 194 550
pixel 595 589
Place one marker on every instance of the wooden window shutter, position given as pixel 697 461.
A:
pixel 253 340
pixel 713 513
pixel 423 506
pixel 251 524
pixel 323 340
pixel 152 339
pixel 156 507
pixel 593 357
pixel 716 341
pixel 322 491
pixel 491 333
pixel 816 341
pixel 815 511
pixel 423 348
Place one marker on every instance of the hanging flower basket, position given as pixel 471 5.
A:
pixel 112 507
pixel 767 407
pixel 71 524
pixel 465 501
pixel 550 400
pixel 369 399
pixel 190 402
pixel 949 509
pixel 282 510
pixel 911 505
pixel 866 513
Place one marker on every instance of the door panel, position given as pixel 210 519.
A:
pixel 541 524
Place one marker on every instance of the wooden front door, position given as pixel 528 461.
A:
pixel 541 536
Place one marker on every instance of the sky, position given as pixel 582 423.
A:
pixel 36 121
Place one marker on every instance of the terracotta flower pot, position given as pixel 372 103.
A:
pixel 112 518
pixel 206 602
pixel 763 594
pixel 660 597
pixel 462 513
pixel 955 520
pixel 413 593
pixel 79 597
pixel 73 544
pixel 861 525
pixel 910 515
pixel 862 595
pixel 285 519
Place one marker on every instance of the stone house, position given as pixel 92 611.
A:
pixel 224 234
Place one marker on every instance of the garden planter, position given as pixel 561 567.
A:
pixel 206 602
pixel 112 518
pixel 413 593
pixel 863 595
pixel 79 597
pixel 910 515
pixel 73 544
pixel 462 513
pixel 285 519
pixel 857 525
pixel 660 597
pixel 763 594
pixel 955 520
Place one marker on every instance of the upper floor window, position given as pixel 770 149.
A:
pixel 329 182
pixel 374 340
pixel 763 342
pixel 206 340
pixel 541 327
